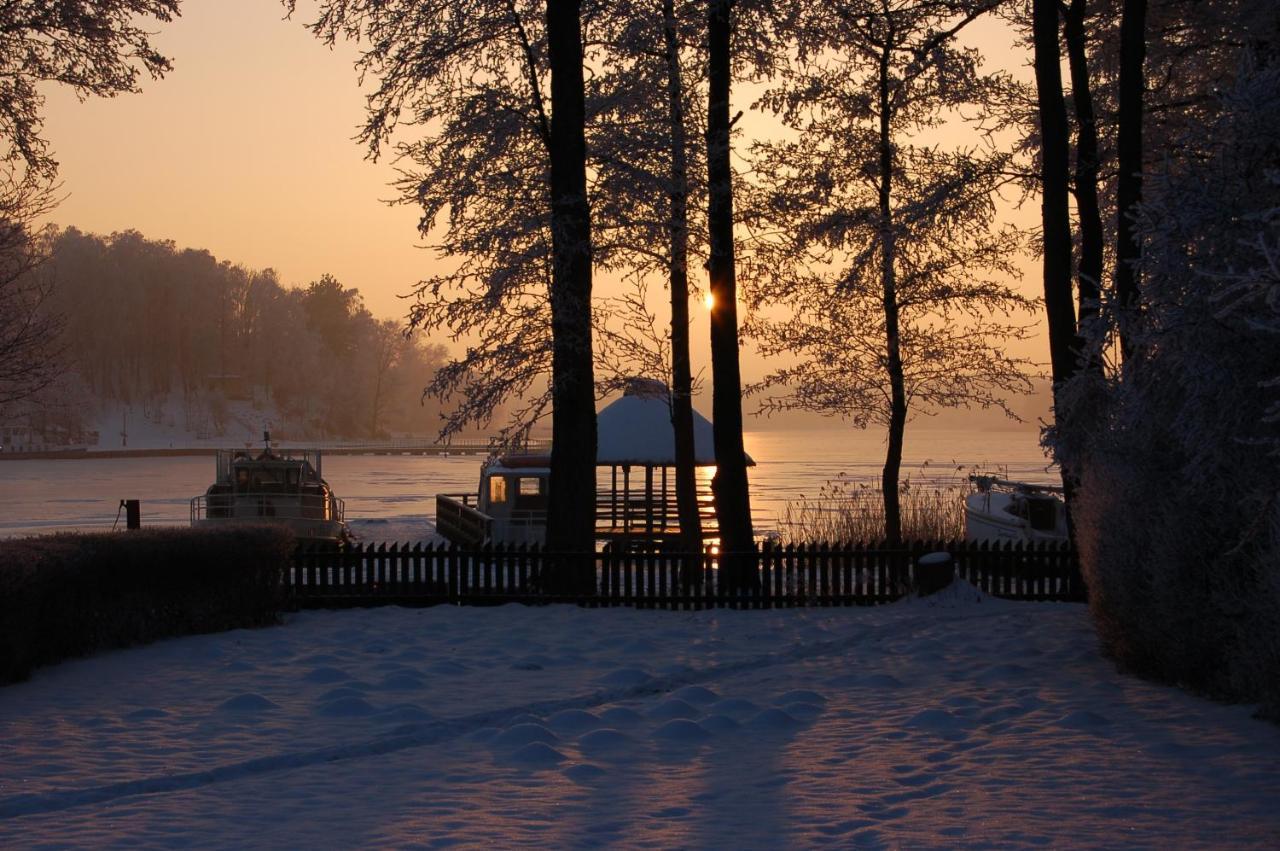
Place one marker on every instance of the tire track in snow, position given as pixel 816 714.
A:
pixel 432 732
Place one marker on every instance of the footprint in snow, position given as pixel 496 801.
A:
pixel 681 730
pixel 734 706
pixel 1084 720
pixel 146 714
pixel 625 677
pixel 325 675
pixel 940 722
pixel 345 707
pixel 401 681
pixel 247 702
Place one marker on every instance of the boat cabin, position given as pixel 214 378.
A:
pixel 272 486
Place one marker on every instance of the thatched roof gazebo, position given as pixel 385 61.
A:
pixel 636 442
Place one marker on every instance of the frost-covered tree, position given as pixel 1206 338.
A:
pixel 645 152
pixel 886 252
pixel 28 326
pixel 1178 513
pixel 97 49
pixel 499 169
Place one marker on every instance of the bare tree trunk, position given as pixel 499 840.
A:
pixel 893 348
pixel 1055 214
pixel 681 370
pixel 733 502
pixel 1089 277
pixel 572 500
pixel 1133 50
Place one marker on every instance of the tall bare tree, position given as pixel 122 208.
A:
pixel 732 497
pixel 886 252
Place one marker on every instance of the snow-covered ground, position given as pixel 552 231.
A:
pixel 957 721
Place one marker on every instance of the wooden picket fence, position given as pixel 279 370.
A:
pixel 795 575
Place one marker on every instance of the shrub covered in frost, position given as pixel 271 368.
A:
pixel 63 596
pixel 1178 514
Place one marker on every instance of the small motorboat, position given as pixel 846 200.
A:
pixel 1003 510
pixel 273 486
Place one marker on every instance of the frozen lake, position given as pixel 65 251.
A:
pixel 385 493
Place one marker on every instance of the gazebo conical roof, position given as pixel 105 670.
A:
pixel 636 430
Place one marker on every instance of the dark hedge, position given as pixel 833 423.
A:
pixel 63 596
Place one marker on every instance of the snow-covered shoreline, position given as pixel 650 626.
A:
pixel 956 720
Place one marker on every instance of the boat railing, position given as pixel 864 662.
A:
pixel 986 483
pixel 267 505
pixel 458 519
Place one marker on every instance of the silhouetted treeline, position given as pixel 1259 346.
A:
pixel 146 322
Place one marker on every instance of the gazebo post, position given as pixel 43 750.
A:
pixel 626 499
pixel 648 501
pixel 613 498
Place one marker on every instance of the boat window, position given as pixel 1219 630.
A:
pixel 497 489
pixel 530 493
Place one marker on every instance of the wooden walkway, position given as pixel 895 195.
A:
pixel 807 575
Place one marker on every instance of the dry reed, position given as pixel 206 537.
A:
pixel 846 511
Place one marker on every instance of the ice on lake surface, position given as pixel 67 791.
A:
pixel 393 497
pixel 955 721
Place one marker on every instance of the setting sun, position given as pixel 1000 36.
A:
pixel 708 300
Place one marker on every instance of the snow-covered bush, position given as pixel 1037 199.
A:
pixel 63 596
pixel 1178 512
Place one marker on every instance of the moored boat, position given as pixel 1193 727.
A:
pixel 1003 510
pixel 274 486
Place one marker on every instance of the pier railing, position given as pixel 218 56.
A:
pixel 790 576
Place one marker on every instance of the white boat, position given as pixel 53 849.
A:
pixel 1002 510
pixel 510 506
pixel 283 487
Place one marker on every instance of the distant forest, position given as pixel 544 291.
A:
pixel 146 323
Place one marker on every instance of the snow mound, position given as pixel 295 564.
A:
pixel 525 734
pixel 573 721
pixel 537 754
pixel 620 715
pixel 606 740
pixel 696 694
pixel 773 720
pixel 673 708
pixel 681 730
pixel 720 724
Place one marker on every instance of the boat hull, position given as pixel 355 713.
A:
pixel 303 529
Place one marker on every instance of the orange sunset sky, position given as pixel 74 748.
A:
pixel 246 149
